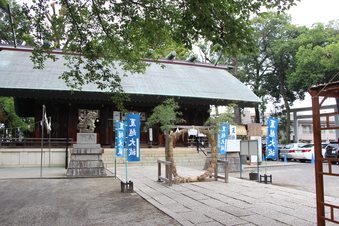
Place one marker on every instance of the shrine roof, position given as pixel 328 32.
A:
pixel 187 82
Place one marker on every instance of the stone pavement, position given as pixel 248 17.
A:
pixel 54 200
pixel 239 202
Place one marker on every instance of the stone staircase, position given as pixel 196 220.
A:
pixel 182 156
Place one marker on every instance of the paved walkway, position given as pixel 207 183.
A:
pixel 239 202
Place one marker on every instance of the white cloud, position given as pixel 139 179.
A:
pixel 308 12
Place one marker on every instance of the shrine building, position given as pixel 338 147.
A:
pixel 195 86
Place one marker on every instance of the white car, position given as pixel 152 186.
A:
pixel 293 149
pixel 307 153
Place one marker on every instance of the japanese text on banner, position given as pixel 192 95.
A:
pixel 233 132
pixel 133 137
pixel 120 138
pixel 223 136
pixel 272 134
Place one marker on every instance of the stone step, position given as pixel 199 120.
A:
pixel 85 164
pixel 182 157
pixel 86 172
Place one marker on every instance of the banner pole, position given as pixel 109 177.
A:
pixel 115 167
pixel 240 166
pixel 42 137
pixel 258 164
pixel 126 166
pixel 265 164
pixel 125 152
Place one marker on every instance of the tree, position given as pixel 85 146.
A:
pixel 167 115
pixel 317 57
pixel 14 126
pixel 256 65
pixel 106 34
pixel 267 70
pixel 14 29
pixel 282 56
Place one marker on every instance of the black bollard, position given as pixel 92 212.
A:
pixel 266 178
pixel 126 187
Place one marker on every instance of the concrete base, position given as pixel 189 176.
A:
pixel 126 187
pixel 233 162
pixel 86 158
pixel 86 163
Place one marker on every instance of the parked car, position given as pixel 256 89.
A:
pixel 306 153
pixel 290 150
pixel 332 151
pixel 323 149
pixel 280 146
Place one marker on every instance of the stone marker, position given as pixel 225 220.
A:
pixel 86 154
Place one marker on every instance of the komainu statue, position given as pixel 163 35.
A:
pixel 86 125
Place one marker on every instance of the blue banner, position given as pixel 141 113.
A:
pixel 223 136
pixel 120 138
pixel 272 135
pixel 133 137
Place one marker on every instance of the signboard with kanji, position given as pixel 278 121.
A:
pixel 223 137
pixel 120 138
pixel 133 137
pixel 271 144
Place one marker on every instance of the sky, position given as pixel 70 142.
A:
pixel 308 12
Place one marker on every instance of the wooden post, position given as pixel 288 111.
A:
pixel 168 172
pixel 319 180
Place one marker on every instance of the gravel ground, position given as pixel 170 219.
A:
pixel 86 201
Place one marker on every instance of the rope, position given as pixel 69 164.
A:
pixel 19 127
pixel 179 179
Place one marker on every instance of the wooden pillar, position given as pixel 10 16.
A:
pixel 72 122
pixel 319 180
pixel 103 124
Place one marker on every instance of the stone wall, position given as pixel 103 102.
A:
pixel 31 157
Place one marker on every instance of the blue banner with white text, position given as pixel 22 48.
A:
pixel 272 135
pixel 120 138
pixel 133 137
pixel 223 136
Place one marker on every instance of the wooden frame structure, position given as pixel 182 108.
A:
pixel 319 95
pixel 168 172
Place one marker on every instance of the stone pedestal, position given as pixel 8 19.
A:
pixel 86 157
pixel 233 162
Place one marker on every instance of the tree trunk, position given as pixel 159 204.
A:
pixel 288 124
pixel 237 112
pixel 166 134
pixel 288 111
pixel 257 114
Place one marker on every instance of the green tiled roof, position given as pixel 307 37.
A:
pixel 195 83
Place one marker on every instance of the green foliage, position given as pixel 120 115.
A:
pixel 317 57
pixel 226 117
pixel 268 68
pixel 166 114
pixel 107 34
pixel 21 26
pixel 12 122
